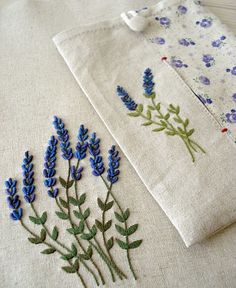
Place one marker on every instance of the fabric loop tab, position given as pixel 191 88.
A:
pixel 134 21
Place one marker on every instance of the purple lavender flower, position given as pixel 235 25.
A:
pixel 82 144
pixel 126 99
pixel 63 137
pixel 114 163
pixel 13 199
pixel 96 160
pixel 28 178
pixel 204 80
pixel 49 167
pixel 205 23
pixel 158 40
pixel 231 116
pixel 148 84
pixel 182 10
pixel 76 173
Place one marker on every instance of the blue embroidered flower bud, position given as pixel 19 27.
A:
pixel 126 99
pixel 63 137
pixel 76 174
pixel 49 170
pixel 114 163
pixel 28 178
pixel 96 159
pixel 13 199
pixel 82 144
pixel 148 84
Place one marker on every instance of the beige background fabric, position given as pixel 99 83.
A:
pixel 35 85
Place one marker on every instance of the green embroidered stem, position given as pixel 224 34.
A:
pixel 125 217
pixel 59 243
pixel 70 219
pixel 88 227
pixel 164 124
pixel 103 230
pixel 38 240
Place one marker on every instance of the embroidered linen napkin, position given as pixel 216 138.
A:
pixel 176 78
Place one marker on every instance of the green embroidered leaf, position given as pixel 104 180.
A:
pixel 158 129
pixel 90 251
pixel 158 106
pixel 63 203
pixel 90 235
pixel 35 220
pixel 163 123
pixel 62 215
pixel 62 182
pixel 82 199
pixel 139 108
pixel 131 229
pixel 76 264
pixel 186 122
pixel 55 233
pixel 147 123
pixel 119 217
pixel 70 183
pixel 99 225
pixel 135 244
pixel 167 116
pixel 69 269
pixel 134 114
pixel 170 133
pixel 149 114
pixel 48 251
pixel 177 120
pixel 76 229
pixel 151 107
pixel 126 214
pixel 110 243
pixel 73 201
pixel 122 244
pixel 181 130
pixel 190 132
pixel 100 204
pixel 73 249
pixel 107 225
pixel 86 213
pixel 36 240
pixel 43 234
pixel 121 230
pixel 78 215
pixel 43 218
pixel 177 109
pixel 88 254
pixel 67 256
pixel 94 230
pixel 109 205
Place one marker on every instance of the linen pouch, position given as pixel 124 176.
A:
pixel 179 70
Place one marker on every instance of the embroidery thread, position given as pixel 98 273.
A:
pixel 86 244
pixel 170 122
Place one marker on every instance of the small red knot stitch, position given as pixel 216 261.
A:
pixel 223 130
pixel 164 58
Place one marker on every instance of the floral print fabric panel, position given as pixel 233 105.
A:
pixel 202 51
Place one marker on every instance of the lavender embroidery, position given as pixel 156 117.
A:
pixel 86 244
pixel 170 122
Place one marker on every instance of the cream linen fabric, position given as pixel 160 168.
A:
pixel 198 198
pixel 36 84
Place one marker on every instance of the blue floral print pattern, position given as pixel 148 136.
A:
pixel 234 97
pixel 231 116
pixel 158 40
pixel 186 42
pixel 178 63
pixel 208 60
pixel 181 10
pixel 218 43
pixel 232 71
pixel 205 99
pixel 205 23
pixel 164 21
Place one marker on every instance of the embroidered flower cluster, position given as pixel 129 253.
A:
pixel 71 206
pixel 170 122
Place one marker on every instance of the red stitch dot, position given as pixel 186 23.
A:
pixel 223 130
pixel 163 58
